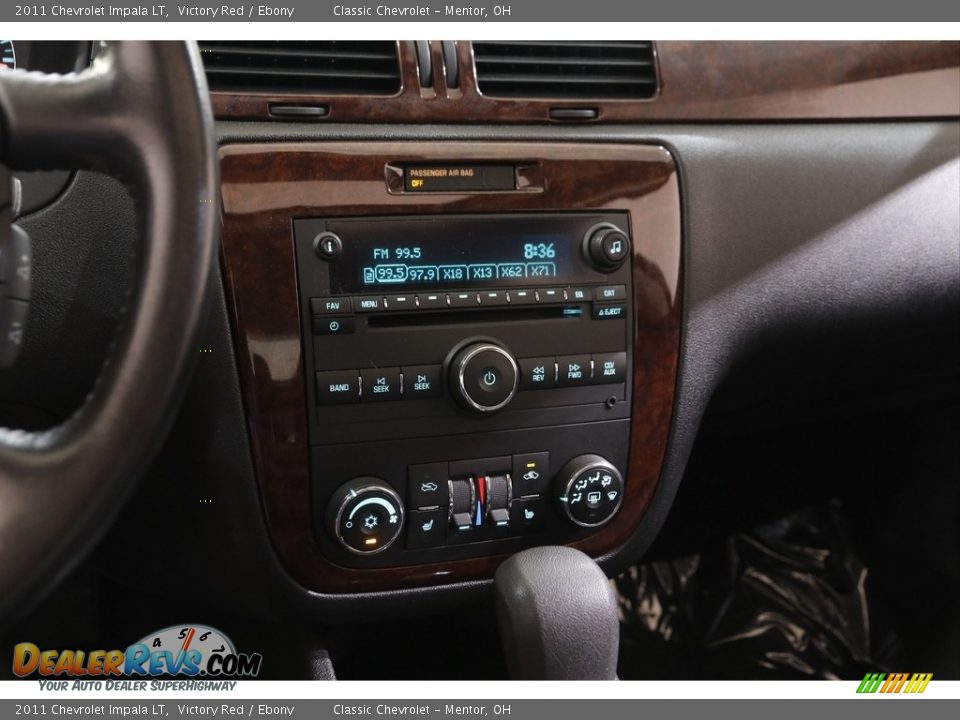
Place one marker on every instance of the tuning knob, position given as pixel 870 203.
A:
pixel 483 377
pixel 589 490
pixel 365 515
pixel 606 247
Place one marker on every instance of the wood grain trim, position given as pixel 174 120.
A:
pixel 266 186
pixel 699 82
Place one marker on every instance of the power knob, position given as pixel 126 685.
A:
pixel 606 247
pixel 365 515
pixel 483 377
pixel 589 490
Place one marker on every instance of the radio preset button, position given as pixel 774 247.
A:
pixel 538 373
pixel 336 325
pixel 400 302
pixel 338 387
pixel 430 301
pixel 378 384
pixel 550 295
pixel 493 297
pixel 522 297
pixel 463 299
pixel 609 293
pixel 574 370
pixel 609 368
pixel 369 303
pixel 331 306
pixel 421 381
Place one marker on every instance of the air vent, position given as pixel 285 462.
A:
pixel 561 70
pixel 317 67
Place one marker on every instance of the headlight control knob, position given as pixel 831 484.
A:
pixel 606 247
pixel 365 515
pixel 589 490
pixel 483 377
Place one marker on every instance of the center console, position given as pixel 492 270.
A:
pixel 451 353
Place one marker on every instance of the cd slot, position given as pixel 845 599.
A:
pixel 480 315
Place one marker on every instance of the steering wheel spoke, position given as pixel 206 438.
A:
pixel 141 112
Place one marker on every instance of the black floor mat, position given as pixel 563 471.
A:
pixel 788 600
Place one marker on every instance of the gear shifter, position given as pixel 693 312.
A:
pixel 557 615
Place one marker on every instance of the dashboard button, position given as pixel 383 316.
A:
pixel 578 294
pixel 550 295
pixel 369 303
pixel 431 301
pixel 426 528
pixel 614 311
pixel 483 377
pixel 522 297
pixel 400 302
pixel 338 387
pixel 378 384
pixel 573 370
pixel 608 293
pixel 427 486
pixel 527 514
pixel 493 297
pixel 538 373
pixel 336 325
pixel 463 299
pixel 609 368
pixel 331 306
pixel 421 381
pixel 531 474
pixel 327 245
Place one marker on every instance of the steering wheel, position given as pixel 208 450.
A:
pixel 141 113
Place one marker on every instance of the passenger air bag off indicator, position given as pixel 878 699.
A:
pixel 459 178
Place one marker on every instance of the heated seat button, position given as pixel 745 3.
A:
pixel 537 373
pixel 527 515
pixel 338 387
pixel 573 370
pixel 609 368
pixel 426 528
pixel 421 381
pixel 427 485
pixel 531 474
pixel 378 384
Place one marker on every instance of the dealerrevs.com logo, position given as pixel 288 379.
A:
pixel 181 650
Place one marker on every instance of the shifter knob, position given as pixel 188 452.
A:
pixel 557 615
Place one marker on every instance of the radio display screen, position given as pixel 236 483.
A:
pixel 457 252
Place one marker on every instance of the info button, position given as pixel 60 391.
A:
pixel 421 381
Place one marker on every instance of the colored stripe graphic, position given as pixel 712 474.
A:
pixel 894 683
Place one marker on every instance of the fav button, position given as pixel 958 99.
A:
pixel 331 306
pixel 421 381
pixel 378 384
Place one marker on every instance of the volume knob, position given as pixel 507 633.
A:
pixel 483 377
